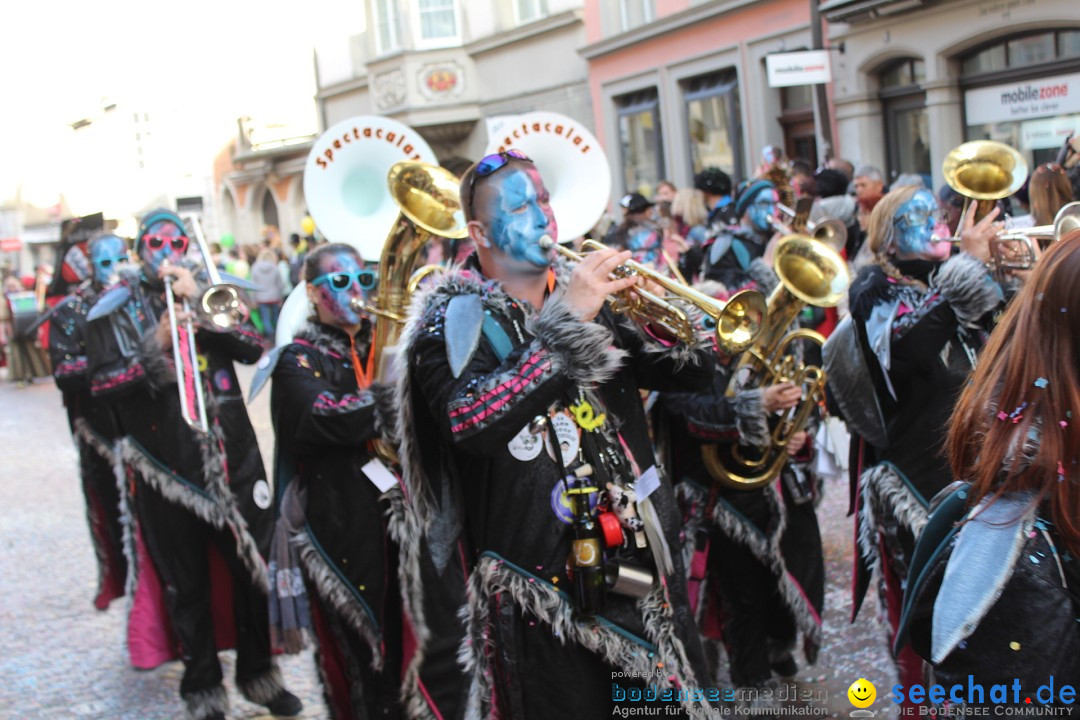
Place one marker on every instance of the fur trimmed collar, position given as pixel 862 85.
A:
pixel 327 338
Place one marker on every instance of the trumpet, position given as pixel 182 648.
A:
pixel 1015 250
pixel 739 320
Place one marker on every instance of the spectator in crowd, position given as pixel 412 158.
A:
pixel 905 179
pixel 716 185
pixel 637 232
pixel 1049 189
pixel 802 179
pixel 265 274
pixel 869 186
pixel 665 191
pixel 689 222
pixel 843 166
pixel 299 247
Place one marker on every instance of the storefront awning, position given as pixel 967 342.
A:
pixel 856 10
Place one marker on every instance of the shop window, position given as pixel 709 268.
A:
pixel 633 13
pixel 907 126
pixel 712 116
pixel 797 119
pixel 387 38
pixel 1023 51
pixel 640 142
pixel 437 24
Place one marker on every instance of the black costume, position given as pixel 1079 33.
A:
pixel 482 367
pixel 197 499
pixel 733 258
pixel 325 423
pixel 95 431
pixel 895 369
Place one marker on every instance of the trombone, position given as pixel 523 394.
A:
pixel 739 320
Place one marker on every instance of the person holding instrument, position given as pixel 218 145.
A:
pixel 199 500
pixel 92 422
pixel 526 453
pixel 327 411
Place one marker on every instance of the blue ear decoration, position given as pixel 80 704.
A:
pixel 110 300
pixel 464 321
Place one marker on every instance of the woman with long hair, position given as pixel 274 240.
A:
pixel 1049 189
pixel 1012 612
pixel 919 316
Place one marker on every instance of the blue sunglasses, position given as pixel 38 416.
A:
pixel 341 281
pixel 488 165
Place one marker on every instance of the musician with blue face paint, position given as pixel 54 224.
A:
pixel 735 257
pixel 328 410
pixel 521 428
pixel 197 494
pixel 91 422
pixel 920 314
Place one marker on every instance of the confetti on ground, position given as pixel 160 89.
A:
pixel 1014 645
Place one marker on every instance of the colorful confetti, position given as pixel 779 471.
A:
pixel 1034 559
pixel 1041 382
pixel 1014 645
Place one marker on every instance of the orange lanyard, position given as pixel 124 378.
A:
pixel 363 371
pixel 551 281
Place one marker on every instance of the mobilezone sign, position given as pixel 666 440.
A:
pixel 1022 100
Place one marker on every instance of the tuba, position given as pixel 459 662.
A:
pixel 810 274
pixel 984 171
pixel 345 189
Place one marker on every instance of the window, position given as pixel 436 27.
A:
pixel 437 22
pixel 712 116
pixel 1022 51
pixel 527 11
pixel 640 142
pixel 633 13
pixel 387 38
pixel 269 210
pixel 907 126
pixel 797 119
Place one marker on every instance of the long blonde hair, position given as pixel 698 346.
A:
pixel 689 206
pixel 881 230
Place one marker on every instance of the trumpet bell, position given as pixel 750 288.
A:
pixel 1067 219
pixel 984 170
pixel 428 196
pixel 811 271
pixel 220 309
pixel 740 321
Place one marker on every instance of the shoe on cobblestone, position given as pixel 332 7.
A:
pixel 285 705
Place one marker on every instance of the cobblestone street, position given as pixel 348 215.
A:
pixel 62 659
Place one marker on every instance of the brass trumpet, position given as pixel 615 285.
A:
pixel 738 321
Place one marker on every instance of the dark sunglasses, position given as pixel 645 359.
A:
pixel 178 243
pixel 109 261
pixel 341 281
pixel 488 165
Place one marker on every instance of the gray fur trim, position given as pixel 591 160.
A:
pixel 203 704
pixel 333 591
pixel 763 275
pixel 692 501
pixel 547 605
pixel 263 689
pixel 217 506
pixel 750 418
pixel 682 353
pixel 967 286
pixel 386 410
pixel 882 491
pixel 582 350
pixel 322 340
pixel 766 548
pixel 82 431
pixel 154 360
pixel 404 528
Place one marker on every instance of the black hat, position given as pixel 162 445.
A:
pixel 635 202
pixel 829 183
pixel 714 181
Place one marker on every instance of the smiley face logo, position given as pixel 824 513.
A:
pixel 862 693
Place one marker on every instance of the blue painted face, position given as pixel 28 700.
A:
pixel 519 215
pixel 107 254
pixel 163 241
pixel 914 224
pixel 335 303
pixel 761 207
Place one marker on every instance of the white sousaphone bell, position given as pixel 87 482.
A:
pixel 571 162
pixel 345 189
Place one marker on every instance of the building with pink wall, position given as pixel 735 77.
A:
pixel 679 85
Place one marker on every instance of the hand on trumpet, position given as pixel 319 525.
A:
pixel 975 237
pixel 780 396
pixel 163 333
pixel 183 284
pixel 591 281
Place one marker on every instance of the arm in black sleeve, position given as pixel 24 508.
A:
pixel 312 411
pixel 240 344
pixel 662 364
pixel 67 346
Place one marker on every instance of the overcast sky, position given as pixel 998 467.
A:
pixel 215 59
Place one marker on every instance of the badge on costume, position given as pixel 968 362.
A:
pixel 568 434
pixel 586 417
pixel 526 445
pixel 560 503
pixel 261 494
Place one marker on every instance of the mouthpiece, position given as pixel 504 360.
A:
pixel 546 242
pixel 357 304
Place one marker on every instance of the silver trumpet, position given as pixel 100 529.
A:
pixel 1015 249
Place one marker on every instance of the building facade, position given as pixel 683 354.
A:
pixel 919 77
pixel 678 85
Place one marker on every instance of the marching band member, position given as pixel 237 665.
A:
pixel 733 255
pixel 326 412
pixel 92 422
pixel 997 599
pixel 519 408
pixel 918 320
pixel 195 495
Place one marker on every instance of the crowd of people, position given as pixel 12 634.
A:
pixel 499 526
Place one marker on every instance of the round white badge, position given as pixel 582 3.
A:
pixel 261 493
pixel 566 430
pixel 525 446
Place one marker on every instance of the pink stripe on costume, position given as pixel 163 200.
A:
pixel 498 389
pixel 515 386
